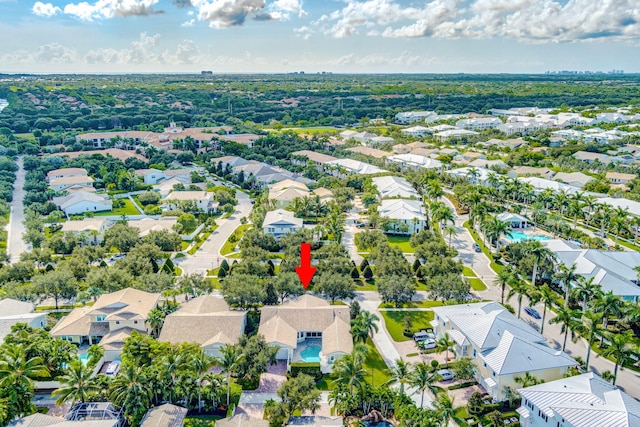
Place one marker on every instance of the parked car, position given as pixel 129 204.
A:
pixel 532 312
pixel 428 344
pixel 423 335
pixel 117 257
pixel 476 247
pixel 113 368
pixel 361 225
pixel 446 374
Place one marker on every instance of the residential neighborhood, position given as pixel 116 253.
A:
pixel 476 267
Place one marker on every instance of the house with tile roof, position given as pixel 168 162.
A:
pixel 580 401
pixel 501 346
pixel 304 322
pixel 202 199
pixel 61 184
pixel 66 172
pixel 206 321
pixel 109 321
pixel 242 420
pixel 82 202
pixel 166 415
pixel 88 230
pixel 286 191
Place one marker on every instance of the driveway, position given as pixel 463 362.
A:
pixel 15 228
pixel 208 256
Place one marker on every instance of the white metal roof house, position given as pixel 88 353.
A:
pixel 280 222
pixel 406 216
pixel 414 161
pixel 473 175
pixel 390 187
pixel 14 311
pixel 501 346
pixel 580 401
pixel 515 220
pixel 612 270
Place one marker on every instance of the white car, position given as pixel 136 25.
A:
pixel 428 344
pixel 446 374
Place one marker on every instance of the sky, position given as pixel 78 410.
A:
pixel 339 36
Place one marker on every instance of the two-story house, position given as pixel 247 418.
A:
pixel 501 346
pixel 109 321
pixel 202 199
pixel 280 222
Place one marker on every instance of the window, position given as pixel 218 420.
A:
pixel 117 322
pixel 135 322
pixel 100 317
pixel 474 352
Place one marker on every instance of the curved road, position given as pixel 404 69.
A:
pixel 208 255
pixel 15 229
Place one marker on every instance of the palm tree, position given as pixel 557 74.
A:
pixel 609 305
pixel 445 344
pixel 504 278
pixel 443 405
pixel 348 369
pixel 130 390
pixel 201 363
pixel 567 275
pixel 591 328
pixel 400 372
pixel 17 374
pixel 422 378
pixel 569 320
pixel 451 231
pixel 619 222
pixel 228 362
pixel 494 229
pixel 555 221
pixel 155 320
pixel 585 290
pixel 519 288
pixel 367 322
pixel 540 255
pixel 620 348
pixel 78 382
pixel 528 380
pixel 546 295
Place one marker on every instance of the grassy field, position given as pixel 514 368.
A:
pixel 402 242
pixel 230 245
pixel 477 284
pixel 377 372
pixel 414 304
pixel 128 209
pixel 394 322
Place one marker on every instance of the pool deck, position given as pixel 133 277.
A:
pixel 297 357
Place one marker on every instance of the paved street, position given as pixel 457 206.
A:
pixel 208 255
pixel 628 380
pixel 15 229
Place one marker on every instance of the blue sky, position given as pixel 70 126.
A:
pixel 352 36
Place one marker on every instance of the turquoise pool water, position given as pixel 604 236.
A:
pixel 84 358
pixel 519 236
pixel 311 353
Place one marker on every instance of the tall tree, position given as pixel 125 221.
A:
pixel 77 383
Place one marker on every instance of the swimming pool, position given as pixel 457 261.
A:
pixel 519 236
pixel 84 358
pixel 311 353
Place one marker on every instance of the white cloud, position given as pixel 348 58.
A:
pixel 234 13
pixel 227 13
pixel 188 23
pixel 45 9
pixel 527 20
pixel 105 9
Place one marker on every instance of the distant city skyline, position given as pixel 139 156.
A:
pixel 337 36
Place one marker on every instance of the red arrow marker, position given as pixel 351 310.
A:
pixel 305 271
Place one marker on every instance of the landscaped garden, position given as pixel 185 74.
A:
pixel 396 322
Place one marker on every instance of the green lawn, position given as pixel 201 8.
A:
pixel 468 272
pixel 377 372
pixel 231 243
pixel 477 284
pixel 394 322
pixel 414 304
pixel 128 209
pixel 402 242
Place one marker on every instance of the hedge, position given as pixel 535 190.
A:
pixel 309 368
